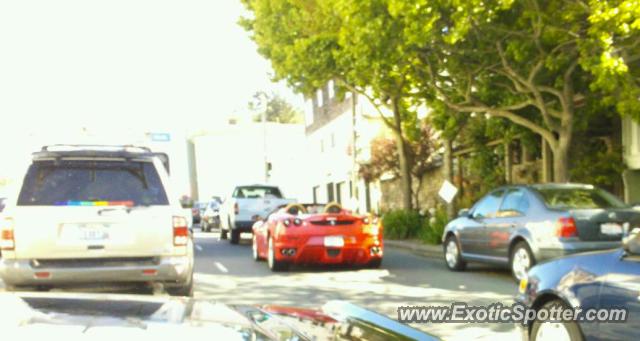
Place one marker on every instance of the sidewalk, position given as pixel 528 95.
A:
pixel 434 251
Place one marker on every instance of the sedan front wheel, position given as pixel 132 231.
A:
pixel 521 260
pixel 452 254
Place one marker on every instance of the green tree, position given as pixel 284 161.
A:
pixel 311 42
pixel 274 107
pixel 526 61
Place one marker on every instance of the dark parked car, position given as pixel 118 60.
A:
pixel 197 210
pixel 519 226
pixel 211 217
pixel 597 280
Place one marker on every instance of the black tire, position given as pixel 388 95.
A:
pixel 223 234
pixel 375 264
pixel 274 264
pixel 185 289
pixel 520 249
pixel 453 260
pixel 235 237
pixel 572 328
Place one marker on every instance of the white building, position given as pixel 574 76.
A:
pixel 236 154
pixel 170 141
pixel 339 133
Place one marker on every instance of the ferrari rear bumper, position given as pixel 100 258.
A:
pixel 314 251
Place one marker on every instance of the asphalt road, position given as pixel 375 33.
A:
pixel 227 273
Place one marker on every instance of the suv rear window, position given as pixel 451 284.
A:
pixel 257 192
pixel 579 198
pixel 50 183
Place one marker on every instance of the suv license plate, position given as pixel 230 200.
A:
pixel 334 241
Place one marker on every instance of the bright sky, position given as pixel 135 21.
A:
pixel 117 63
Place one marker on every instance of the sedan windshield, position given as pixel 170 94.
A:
pixel 579 198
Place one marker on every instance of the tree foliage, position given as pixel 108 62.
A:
pixel 544 65
pixel 275 108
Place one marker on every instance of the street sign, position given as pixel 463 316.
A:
pixel 160 137
pixel 448 191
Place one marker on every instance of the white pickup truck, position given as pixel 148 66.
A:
pixel 246 205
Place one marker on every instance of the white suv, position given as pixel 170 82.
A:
pixel 94 215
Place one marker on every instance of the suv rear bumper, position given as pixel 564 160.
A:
pixel 167 269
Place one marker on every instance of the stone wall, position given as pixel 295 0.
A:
pixel 391 192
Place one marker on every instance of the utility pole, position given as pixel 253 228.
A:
pixel 264 145
pixel 354 151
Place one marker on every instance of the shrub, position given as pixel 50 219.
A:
pixel 401 224
pixel 433 227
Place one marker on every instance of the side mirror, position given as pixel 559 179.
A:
pixel 464 213
pixel 631 242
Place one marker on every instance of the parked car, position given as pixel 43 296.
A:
pixel 196 212
pixel 246 205
pixel 317 234
pixel 211 217
pixel 597 280
pixel 107 316
pixel 519 226
pixel 96 214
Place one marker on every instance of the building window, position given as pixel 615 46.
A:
pixel 319 98
pixel 330 192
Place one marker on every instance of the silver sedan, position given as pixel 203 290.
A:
pixel 518 226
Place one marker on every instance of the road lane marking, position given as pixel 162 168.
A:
pixel 221 267
pixel 198 247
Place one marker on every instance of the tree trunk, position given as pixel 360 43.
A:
pixel 561 158
pixel 448 172
pixel 403 159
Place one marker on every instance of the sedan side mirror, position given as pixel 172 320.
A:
pixel 631 242
pixel 463 213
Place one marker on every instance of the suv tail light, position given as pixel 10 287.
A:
pixel 566 228
pixel 180 231
pixel 7 238
pixel 236 209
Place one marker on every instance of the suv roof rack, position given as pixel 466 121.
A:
pixel 95 147
pixel 128 152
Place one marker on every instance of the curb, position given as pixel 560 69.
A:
pixel 432 251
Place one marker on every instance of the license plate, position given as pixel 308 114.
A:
pixel 611 229
pixel 94 235
pixel 85 233
pixel 334 241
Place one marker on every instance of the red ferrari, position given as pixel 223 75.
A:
pixel 317 234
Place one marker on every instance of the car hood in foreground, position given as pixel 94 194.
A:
pixel 82 316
